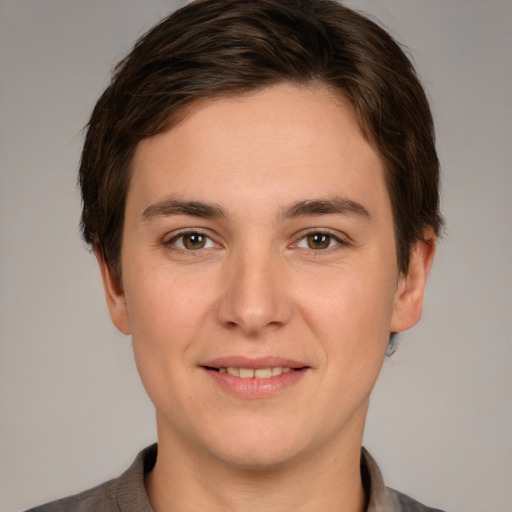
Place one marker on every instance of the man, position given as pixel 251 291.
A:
pixel 260 188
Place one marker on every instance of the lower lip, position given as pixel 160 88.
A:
pixel 253 387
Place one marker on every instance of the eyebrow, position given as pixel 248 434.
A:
pixel 169 207
pixel 334 205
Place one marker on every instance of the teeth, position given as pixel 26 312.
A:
pixel 263 373
pixel 246 373
pixel 260 373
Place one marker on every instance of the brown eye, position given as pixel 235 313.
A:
pixel 318 241
pixel 189 241
pixel 194 241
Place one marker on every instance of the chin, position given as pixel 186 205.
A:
pixel 258 446
pixel 258 458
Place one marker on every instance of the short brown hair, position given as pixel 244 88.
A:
pixel 214 48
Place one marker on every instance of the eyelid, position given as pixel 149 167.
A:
pixel 170 238
pixel 341 238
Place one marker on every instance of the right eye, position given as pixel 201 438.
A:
pixel 191 241
pixel 317 241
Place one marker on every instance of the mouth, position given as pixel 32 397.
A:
pixel 252 373
pixel 255 378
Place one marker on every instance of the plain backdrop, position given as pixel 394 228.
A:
pixel 72 410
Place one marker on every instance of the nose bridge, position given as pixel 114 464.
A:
pixel 254 297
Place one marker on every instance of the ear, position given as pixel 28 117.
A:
pixel 408 304
pixel 115 296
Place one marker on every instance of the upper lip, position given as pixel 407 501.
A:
pixel 254 363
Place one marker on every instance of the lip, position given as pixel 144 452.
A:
pixel 253 388
pixel 254 363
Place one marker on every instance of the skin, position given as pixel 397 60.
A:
pixel 257 288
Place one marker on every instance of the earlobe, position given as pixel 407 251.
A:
pixel 114 296
pixel 408 305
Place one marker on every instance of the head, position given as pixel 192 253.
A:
pixel 221 48
pixel 260 185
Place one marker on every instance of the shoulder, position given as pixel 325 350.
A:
pixel 382 498
pixel 98 499
pixel 123 494
pixel 405 503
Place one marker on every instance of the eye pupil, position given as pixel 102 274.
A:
pixel 318 241
pixel 194 241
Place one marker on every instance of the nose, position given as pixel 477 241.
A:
pixel 255 298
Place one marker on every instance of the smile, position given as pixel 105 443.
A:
pixel 255 378
pixel 251 373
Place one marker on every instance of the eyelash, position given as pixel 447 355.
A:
pixel 209 242
pixel 339 241
pixel 172 241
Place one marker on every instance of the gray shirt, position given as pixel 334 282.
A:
pixel 128 494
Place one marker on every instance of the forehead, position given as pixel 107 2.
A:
pixel 297 140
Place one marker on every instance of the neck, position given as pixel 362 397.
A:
pixel 324 479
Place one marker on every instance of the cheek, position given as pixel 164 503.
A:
pixel 346 307
pixel 166 313
pixel 166 305
pixel 350 326
pixel 350 315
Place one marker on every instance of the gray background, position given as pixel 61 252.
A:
pixel 72 410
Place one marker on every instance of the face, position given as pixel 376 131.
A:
pixel 259 277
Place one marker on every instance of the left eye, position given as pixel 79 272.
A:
pixel 318 241
pixel 192 241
